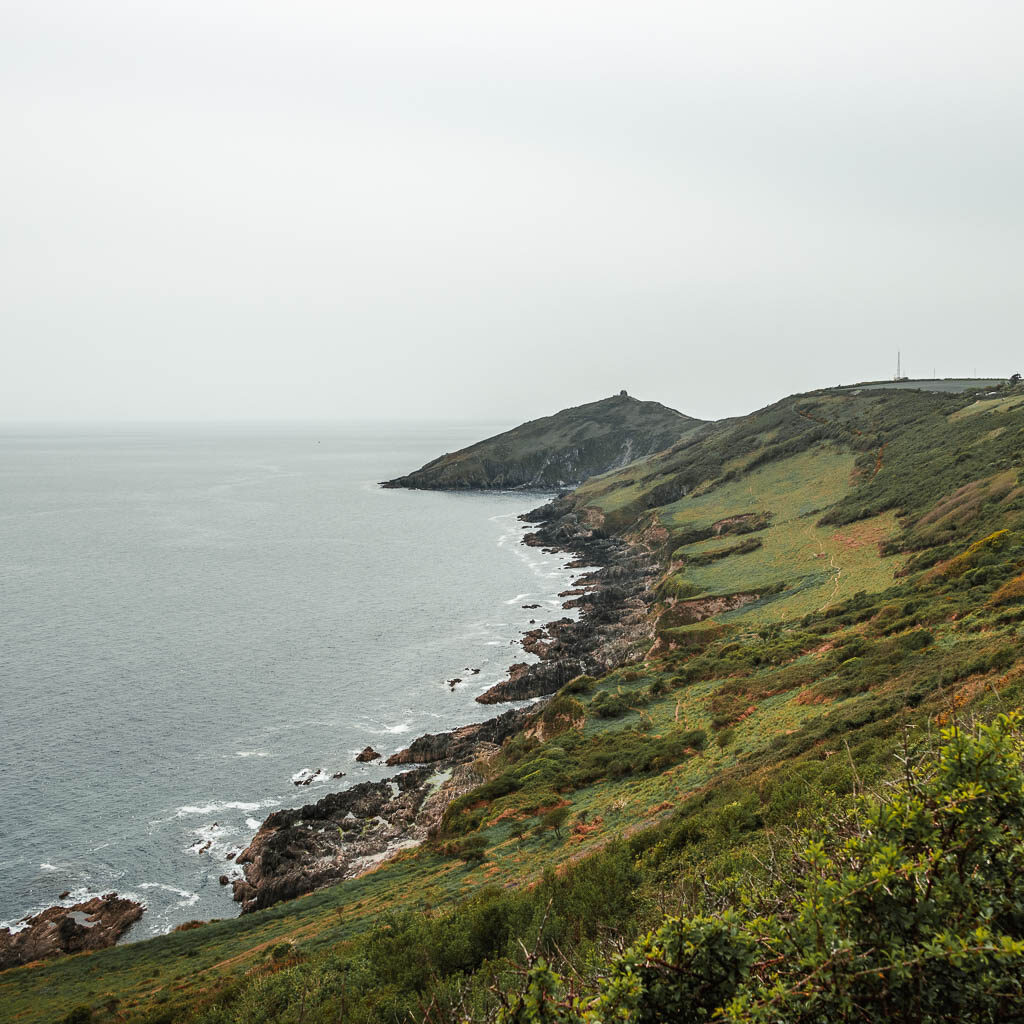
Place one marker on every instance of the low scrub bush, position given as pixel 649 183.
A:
pixel 908 911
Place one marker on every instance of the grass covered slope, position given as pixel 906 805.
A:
pixel 843 579
pixel 907 909
pixel 558 451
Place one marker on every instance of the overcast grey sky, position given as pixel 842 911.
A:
pixel 217 209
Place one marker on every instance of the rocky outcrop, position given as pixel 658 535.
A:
pixel 460 744
pixel 685 613
pixel 367 754
pixel 346 834
pixel 93 924
pixel 536 680
pixel 546 641
pixel 297 851
pixel 558 451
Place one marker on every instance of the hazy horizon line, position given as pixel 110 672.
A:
pixel 397 418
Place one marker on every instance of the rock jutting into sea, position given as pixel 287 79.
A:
pixel 92 924
pixel 349 833
pixel 457 744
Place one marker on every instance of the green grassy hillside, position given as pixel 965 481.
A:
pixel 843 578
pixel 558 451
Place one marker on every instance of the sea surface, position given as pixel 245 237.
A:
pixel 193 617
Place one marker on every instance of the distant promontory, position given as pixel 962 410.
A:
pixel 558 451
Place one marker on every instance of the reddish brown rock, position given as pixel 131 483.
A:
pixel 94 924
pixel 367 754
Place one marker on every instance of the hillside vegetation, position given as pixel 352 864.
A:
pixel 800 798
pixel 558 451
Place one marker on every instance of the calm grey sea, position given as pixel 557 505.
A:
pixel 192 616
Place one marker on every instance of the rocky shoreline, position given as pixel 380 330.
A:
pixel 613 601
pixel 349 833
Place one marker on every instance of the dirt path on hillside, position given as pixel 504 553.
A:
pixel 833 565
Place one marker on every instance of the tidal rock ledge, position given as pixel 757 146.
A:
pixel 93 924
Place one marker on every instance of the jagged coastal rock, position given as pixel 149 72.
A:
pixel 558 451
pixel 346 834
pixel 93 924
pixel 460 743
pixel 349 833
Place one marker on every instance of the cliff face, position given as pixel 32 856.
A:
pixel 558 451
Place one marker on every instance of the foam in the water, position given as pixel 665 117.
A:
pixel 190 899
pixel 215 807
pixel 214 841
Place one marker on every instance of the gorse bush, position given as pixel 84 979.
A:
pixel 911 911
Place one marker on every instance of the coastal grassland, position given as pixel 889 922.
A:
pixel 787 490
pixel 903 908
pixel 797 564
pixel 984 405
pixel 911 448
pixel 731 449
pixel 929 454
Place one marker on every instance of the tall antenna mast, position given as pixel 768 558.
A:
pixel 897 364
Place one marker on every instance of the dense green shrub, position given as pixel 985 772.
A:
pixel 612 705
pixel 579 684
pixel 909 911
